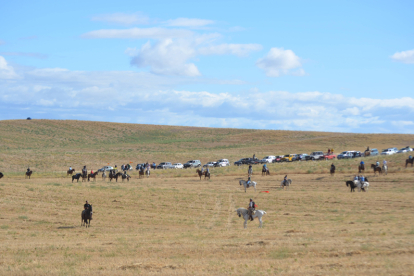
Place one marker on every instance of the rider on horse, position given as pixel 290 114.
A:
pixel 377 164
pixel 251 209
pixel 84 171
pixel 28 169
pixel 332 167
pixel 362 165
pixel 87 207
pixel 265 167
pixel 248 181
pixel 285 180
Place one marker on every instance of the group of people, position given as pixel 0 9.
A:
pixel 360 178
pixel 207 170
pixel 330 151
pixel 126 167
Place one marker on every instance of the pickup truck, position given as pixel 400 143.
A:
pixel 329 156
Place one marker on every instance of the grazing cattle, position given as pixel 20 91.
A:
pixel 409 161
pixel 28 174
pixel 376 169
pixel 257 214
pixel 70 172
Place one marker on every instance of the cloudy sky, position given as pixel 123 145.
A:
pixel 295 65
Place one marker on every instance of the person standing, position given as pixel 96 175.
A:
pixel 251 209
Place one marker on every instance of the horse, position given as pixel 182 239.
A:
pixel 86 218
pixel 92 175
pixel 70 172
pixel 125 176
pixel 257 214
pixel 409 161
pixel 287 184
pixel 361 168
pixel 76 176
pixel 28 174
pixel 207 174
pixel 367 153
pixel 385 169
pixel 112 176
pixel 200 173
pixel 332 170
pixel 141 173
pixel 1 175
pixel 357 184
pixel 265 171
pixel 250 171
pixel 376 169
pixel 244 183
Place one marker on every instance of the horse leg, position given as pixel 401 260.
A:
pixel 254 188
pixel 261 223
pixel 245 223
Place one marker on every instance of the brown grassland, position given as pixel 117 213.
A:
pixel 174 224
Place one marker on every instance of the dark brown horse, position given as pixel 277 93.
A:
pixel 142 173
pixel 200 174
pixel 265 171
pixel 112 176
pixel 376 169
pixel 409 161
pixel 86 218
pixel 70 172
pixel 76 176
pixel 1 175
pixel 92 175
pixel 361 168
pixel 125 176
pixel 352 185
pixel 28 174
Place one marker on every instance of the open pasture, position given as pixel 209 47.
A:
pixel 181 225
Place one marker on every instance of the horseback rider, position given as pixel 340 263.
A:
pixel 362 165
pixel 384 163
pixel 377 164
pixel 84 171
pixel 362 179
pixel 202 170
pixel 91 171
pixel 356 178
pixel 28 169
pixel 367 149
pixel 116 168
pixel 265 167
pixel 207 171
pixel 285 180
pixel 88 207
pixel 153 165
pixel 70 168
pixel 251 209
pixel 148 168
pixel 332 167
pixel 248 181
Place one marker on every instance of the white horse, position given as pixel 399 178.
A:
pixel 244 183
pixel 288 182
pixel 385 169
pixel 361 186
pixel 258 214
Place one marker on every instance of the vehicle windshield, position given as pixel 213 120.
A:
pixel 385 150
pixel 287 155
pixel 344 152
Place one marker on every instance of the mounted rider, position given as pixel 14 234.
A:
pixel 87 207
pixel 377 164
pixel 332 167
pixel 285 180
pixel 84 171
pixel 362 164
pixel 251 209
pixel 28 169
pixel 248 182
pixel 265 167
pixel 70 168
pixel 148 168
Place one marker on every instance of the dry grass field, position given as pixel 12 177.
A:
pixel 174 224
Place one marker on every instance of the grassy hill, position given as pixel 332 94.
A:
pixel 53 146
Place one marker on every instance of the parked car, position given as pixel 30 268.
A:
pixel 304 157
pixel 192 164
pixel 406 149
pixel 290 157
pixel 329 156
pixel 316 155
pixel 106 168
pixel 356 154
pixel 252 161
pixel 210 164
pixel 178 166
pixel 268 159
pixel 346 154
pixel 222 163
pixel 373 152
pixel 389 151
pixel 164 165
pixel 242 161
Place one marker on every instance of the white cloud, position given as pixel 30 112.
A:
pixel 233 49
pixel 123 18
pixel 6 71
pixel 139 33
pixel 189 22
pixel 404 56
pixel 280 62
pixel 167 57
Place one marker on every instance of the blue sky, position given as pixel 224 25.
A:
pixel 298 65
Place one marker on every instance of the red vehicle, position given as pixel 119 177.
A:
pixel 329 156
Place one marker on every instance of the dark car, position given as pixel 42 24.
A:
pixel 242 161
pixel 252 161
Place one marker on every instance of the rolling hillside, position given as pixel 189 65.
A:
pixel 52 145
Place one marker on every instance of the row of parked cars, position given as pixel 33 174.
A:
pixel 193 164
